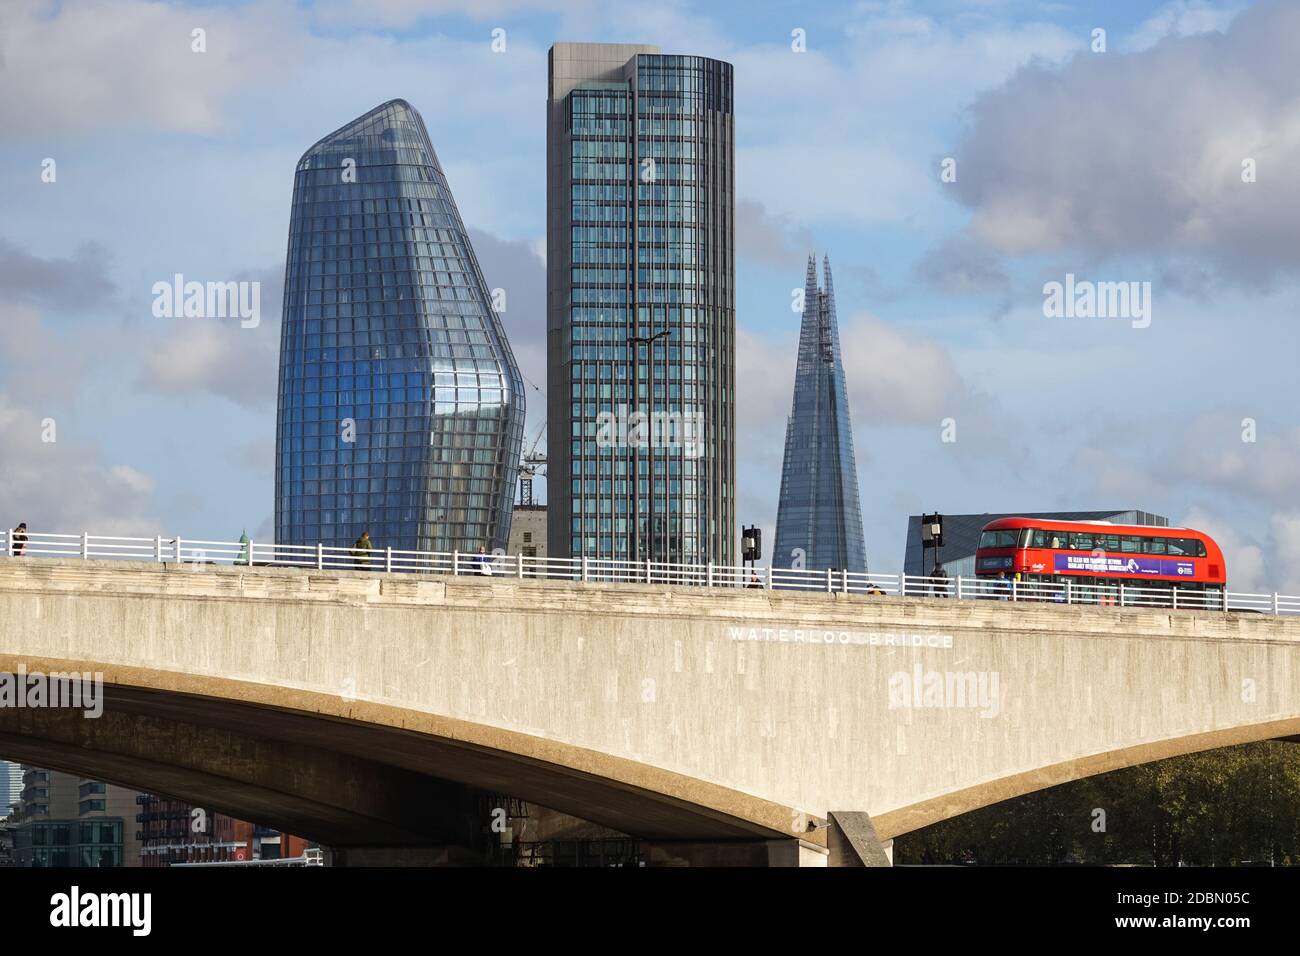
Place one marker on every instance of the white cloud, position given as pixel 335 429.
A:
pixel 1142 154
pixel 1267 469
pixel 847 138
pixel 213 356
pixel 775 240
pixel 257 456
pixel 898 378
pixel 1285 526
pixel 1109 476
pixel 218 356
pixel 36 361
pixel 95 64
pixel 66 486
pixel 1246 560
pixel 1181 18
pixel 961 265
pixel 133 480
pixel 403 13
pixel 72 284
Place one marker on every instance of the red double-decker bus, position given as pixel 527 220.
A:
pixel 1101 557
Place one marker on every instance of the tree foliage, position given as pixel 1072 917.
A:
pixel 1217 808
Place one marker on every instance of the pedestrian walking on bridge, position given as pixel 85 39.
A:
pixel 20 540
pixel 361 552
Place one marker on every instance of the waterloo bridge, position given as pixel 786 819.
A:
pixel 718 725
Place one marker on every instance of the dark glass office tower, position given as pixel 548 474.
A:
pixel 818 512
pixel 400 406
pixel 640 246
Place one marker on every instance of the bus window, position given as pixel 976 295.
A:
pixel 1190 547
pixel 1081 541
pixel 1048 539
pixel 1106 542
pixel 1130 543
pixel 1154 545
pixel 998 539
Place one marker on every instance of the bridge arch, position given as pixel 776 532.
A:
pixel 328 768
pixel 924 813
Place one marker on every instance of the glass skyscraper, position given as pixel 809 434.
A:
pixel 640 305
pixel 400 407
pixel 819 518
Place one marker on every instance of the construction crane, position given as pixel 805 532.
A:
pixel 531 464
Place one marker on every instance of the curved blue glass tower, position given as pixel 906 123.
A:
pixel 818 513
pixel 400 406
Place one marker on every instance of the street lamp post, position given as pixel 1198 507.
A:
pixel 636 341
pixel 751 542
pixel 932 534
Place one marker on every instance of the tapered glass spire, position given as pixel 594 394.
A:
pixel 819 518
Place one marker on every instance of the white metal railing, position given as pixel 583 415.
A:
pixel 198 552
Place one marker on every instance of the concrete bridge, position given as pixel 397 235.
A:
pixel 719 725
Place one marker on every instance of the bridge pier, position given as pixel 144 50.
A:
pixel 851 841
pixel 791 852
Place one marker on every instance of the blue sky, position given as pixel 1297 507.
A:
pixel 1122 165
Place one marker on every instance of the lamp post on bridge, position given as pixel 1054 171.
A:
pixel 932 535
pixel 751 543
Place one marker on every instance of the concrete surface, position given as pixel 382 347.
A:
pixel 649 710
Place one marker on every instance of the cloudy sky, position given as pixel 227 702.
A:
pixel 1167 158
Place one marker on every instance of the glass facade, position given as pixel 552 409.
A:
pixel 819 518
pixel 65 843
pixel 400 404
pixel 640 247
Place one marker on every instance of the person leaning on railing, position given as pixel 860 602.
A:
pixel 20 540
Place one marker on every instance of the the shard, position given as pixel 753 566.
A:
pixel 400 407
pixel 819 518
